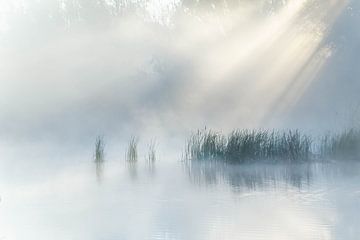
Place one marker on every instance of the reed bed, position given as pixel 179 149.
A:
pixel 343 145
pixel 249 146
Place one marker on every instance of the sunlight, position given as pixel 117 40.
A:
pixel 179 119
pixel 162 11
pixel 276 58
pixel 308 55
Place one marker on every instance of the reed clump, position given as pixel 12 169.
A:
pixel 342 145
pixel 132 152
pixel 99 149
pixel 151 155
pixel 249 145
pixel 205 145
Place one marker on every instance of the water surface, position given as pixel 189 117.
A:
pixel 79 199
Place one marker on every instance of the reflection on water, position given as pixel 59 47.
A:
pixel 132 168
pixel 197 201
pixel 99 169
pixel 151 158
pixel 251 177
pixel 132 158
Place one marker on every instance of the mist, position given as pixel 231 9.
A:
pixel 71 70
pixel 179 119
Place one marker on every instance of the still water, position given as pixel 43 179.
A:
pixel 79 199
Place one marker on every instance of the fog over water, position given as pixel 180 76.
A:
pixel 313 201
pixel 138 76
pixel 71 70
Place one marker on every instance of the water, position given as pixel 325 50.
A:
pixel 43 197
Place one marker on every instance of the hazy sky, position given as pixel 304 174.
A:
pixel 75 69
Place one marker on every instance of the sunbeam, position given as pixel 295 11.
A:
pixel 264 63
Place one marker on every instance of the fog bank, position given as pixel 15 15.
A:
pixel 158 68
